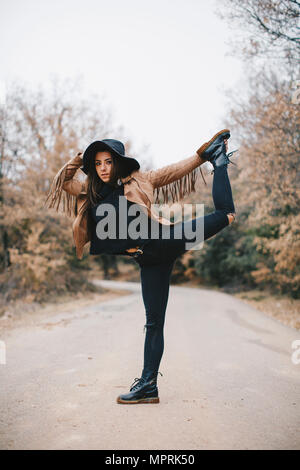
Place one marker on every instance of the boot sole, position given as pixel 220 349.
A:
pixel 203 147
pixel 141 400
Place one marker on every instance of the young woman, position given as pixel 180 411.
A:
pixel 115 181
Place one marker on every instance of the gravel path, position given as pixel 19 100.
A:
pixel 228 377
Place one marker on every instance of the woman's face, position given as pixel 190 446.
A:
pixel 103 164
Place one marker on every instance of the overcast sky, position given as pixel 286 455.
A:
pixel 161 64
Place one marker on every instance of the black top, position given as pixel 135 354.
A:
pixel 115 243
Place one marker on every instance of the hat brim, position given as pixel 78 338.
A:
pixel 99 146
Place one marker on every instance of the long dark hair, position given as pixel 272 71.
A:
pixel 95 184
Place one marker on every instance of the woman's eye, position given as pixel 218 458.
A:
pixel 99 163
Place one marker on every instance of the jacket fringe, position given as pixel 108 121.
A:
pixel 179 188
pixel 58 197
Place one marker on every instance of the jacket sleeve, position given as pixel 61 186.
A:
pixel 176 180
pixel 65 187
pixel 70 184
pixel 170 173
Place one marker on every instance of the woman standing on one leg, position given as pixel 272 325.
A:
pixel 155 278
pixel 111 175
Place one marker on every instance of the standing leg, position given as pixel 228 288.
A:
pixel 155 281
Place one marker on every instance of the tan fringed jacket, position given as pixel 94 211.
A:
pixel 177 179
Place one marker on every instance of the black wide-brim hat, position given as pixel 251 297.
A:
pixel 128 164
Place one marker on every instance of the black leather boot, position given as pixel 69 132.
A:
pixel 142 390
pixel 215 150
pixel 207 150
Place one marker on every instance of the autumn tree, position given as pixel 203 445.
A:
pixel 264 119
pixel 41 129
pixel 268 29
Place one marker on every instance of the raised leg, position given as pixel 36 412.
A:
pixel 212 223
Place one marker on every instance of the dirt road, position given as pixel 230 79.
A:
pixel 228 377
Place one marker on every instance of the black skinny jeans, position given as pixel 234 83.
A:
pixel 156 265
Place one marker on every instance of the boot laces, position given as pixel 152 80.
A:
pixel 228 159
pixel 138 381
pixel 230 154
